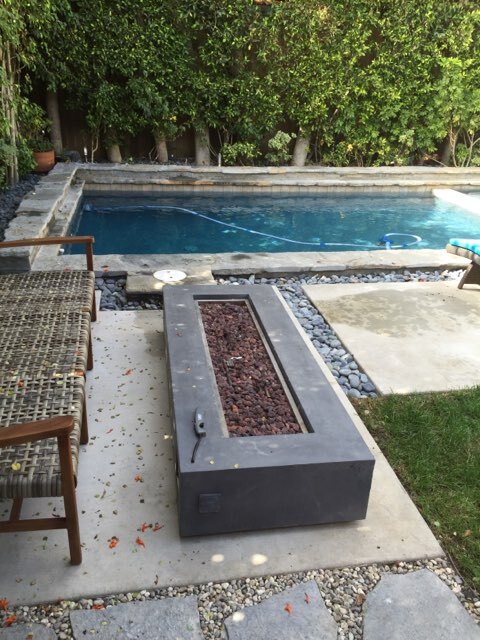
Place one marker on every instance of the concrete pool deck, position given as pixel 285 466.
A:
pixel 130 432
pixel 408 337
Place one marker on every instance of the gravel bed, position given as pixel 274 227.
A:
pixel 11 198
pixel 114 298
pixel 343 590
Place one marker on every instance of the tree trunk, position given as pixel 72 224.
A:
pixel 202 146
pixel 300 151
pixel 113 152
pixel 161 147
pixel 54 115
pixel 8 107
pixel 447 150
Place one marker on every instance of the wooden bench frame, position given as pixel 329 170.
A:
pixel 58 427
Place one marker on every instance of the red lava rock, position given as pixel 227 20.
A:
pixel 253 399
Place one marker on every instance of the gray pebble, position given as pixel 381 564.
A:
pixel 354 381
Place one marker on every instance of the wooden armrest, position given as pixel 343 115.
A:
pixel 34 242
pixel 38 430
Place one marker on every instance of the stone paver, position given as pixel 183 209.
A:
pixel 139 285
pixel 170 619
pixel 28 632
pixel 416 606
pixel 407 337
pixel 298 613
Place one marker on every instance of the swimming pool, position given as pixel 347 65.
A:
pixel 213 222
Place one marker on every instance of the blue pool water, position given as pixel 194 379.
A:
pixel 127 224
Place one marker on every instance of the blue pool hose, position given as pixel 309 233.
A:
pixel 384 240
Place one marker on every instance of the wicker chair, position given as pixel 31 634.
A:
pixel 45 351
pixel 467 248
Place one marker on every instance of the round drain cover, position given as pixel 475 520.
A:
pixel 169 275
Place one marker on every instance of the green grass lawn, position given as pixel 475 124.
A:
pixel 433 443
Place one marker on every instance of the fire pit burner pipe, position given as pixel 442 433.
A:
pixel 199 428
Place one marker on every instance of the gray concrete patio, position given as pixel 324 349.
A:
pixel 127 478
pixel 408 337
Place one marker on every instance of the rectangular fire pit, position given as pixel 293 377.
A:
pixel 321 474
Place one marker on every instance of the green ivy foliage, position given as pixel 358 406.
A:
pixel 372 82
pixel 22 25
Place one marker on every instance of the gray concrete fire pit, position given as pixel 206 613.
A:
pixel 321 474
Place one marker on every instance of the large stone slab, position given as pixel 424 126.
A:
pixel 322 475
pixel 170 619
pixel 416 606
pixel 138 285
pixel 298 613
pixel 408 337
pixel 28 632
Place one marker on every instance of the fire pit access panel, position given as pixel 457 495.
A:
pixel 242 483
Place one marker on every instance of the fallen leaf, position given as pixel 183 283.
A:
pixel 112 543
pixel 4 604
pixel 155 582
pixel 127 372
pixel 157 527
pixel 288 608
pixel 307 598
pixel 20 384
pixel 110 430
pixel 16 466
pixel 144 527
pixel 9 621
pixel 138 478
pixel 97 607
pixel 360 598
pixel 140 542
pixel 467 533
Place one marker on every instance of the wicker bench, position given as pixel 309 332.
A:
pixel 45 351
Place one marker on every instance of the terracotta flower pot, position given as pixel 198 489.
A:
pixel 45 160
